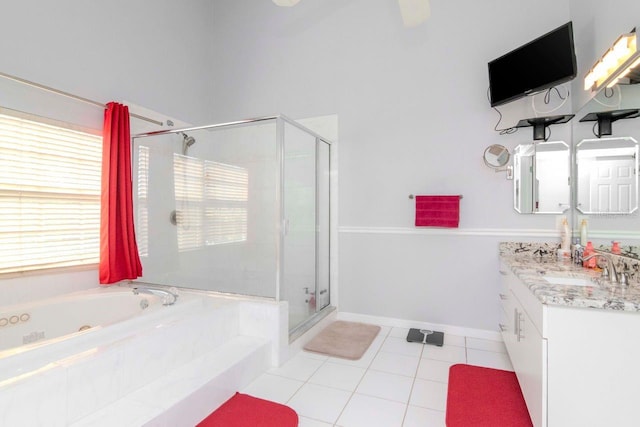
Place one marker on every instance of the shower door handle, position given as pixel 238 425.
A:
pixel 285 227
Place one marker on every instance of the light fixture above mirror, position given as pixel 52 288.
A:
pixel 619 64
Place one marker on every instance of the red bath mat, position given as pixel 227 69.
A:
pixel 243 410
pixel 484 397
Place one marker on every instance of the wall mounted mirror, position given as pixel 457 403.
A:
pixel 605 227
pixel 606 176
pixel 541 183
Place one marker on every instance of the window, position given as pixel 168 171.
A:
pixel 225 190
pixel 49 193
pixel 211 202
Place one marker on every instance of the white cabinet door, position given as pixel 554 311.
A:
pixel 530 363
pixel 526 347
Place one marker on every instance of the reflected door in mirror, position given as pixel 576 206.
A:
pixel 607 179
pixel 541 178
pixel 523 179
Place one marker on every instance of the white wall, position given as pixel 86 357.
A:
pixel 156 54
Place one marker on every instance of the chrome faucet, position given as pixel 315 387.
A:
pixel 168 297
pixel 609 271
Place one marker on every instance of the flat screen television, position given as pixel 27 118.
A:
pixel 540 64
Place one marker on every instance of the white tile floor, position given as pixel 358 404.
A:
pixel 395 383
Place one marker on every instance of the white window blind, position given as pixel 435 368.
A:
pixel 49 193
pixel 211 202
pixel 226 188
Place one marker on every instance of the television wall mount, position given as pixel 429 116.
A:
pixel 540 124
pixel 606 118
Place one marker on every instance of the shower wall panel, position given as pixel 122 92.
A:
pixel 209 216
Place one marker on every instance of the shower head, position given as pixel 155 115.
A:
pixel 187 141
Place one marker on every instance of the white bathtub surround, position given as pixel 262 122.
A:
pixel 198 357
pixel 187 394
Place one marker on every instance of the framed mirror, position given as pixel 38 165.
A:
pixel 607 176
pixel 541 183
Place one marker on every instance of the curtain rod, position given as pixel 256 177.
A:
pixel 68 95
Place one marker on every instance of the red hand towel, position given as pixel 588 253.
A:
pixel 437 211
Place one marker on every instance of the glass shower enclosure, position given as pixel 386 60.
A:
pixel 237 208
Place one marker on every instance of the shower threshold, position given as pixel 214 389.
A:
pixel 299 330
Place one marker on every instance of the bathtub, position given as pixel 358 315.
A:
pixel 34 334
pixel 130 343
pixel 58 317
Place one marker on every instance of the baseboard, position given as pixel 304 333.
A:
pixel 404 323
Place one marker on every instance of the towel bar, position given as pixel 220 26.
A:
pixel 411 196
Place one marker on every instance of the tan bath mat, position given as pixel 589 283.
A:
pixel 348 340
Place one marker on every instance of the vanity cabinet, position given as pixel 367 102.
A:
pixel 526 347
pixel 576 366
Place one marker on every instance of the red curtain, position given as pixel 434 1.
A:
pixel 119 259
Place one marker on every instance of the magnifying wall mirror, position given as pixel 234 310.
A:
pixel 496 156
pixel 607 175
pixel 541 183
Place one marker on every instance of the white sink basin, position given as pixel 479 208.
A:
pixel 572 281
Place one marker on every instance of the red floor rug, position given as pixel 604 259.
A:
pixel 484 397
pixel 243 410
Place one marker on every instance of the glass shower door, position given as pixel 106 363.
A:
pixel 302 268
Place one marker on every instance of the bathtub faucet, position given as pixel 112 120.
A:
pixel 168 297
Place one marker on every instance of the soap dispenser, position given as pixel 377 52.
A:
pixel 583 232
pixel 615 248
pixel 588 250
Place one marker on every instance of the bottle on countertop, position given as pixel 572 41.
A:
pixel 583 232
pixel 615 248
pixel 564 252
pixel 588 250
pixel 576 253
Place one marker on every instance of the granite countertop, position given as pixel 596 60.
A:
pixel 533 262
